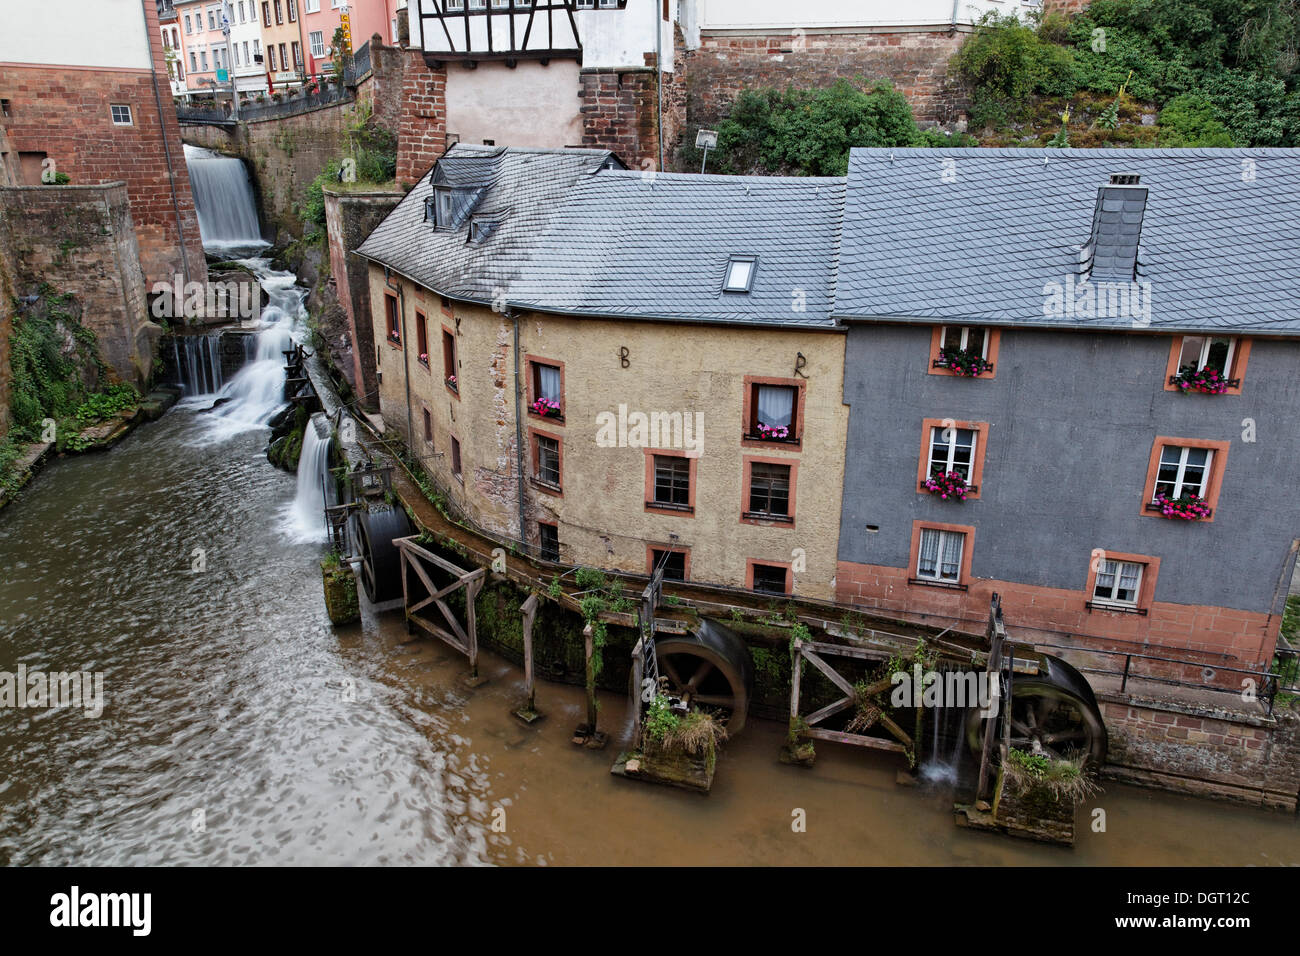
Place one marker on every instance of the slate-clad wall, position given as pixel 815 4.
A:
pixel 1073 417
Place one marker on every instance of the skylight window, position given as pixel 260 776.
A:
pixel 740 274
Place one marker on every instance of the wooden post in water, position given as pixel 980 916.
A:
pixel 996 633
pixel 527 712
pixel 588 640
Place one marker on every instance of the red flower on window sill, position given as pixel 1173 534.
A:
pixel 1187 508
pixel 395 338
pixel 451 383
pixel 773 432
pixel 546 407
pixel 1207 381
pixel 963 362
pixel 949 485
pixel 424 358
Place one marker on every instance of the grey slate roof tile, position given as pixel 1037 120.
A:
pixel 1217 246
pixel 617 243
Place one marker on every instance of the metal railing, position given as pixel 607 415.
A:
pixel 330 94
pixel 360 66
pixel 1262 686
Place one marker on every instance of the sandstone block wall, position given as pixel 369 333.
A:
pixel 80 239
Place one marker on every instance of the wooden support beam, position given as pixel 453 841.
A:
pixel 528 711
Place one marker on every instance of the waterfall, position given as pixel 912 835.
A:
pixel 199 365
pixel 223 198
pixel 307 514
pixel 256 392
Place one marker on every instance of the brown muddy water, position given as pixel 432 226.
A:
pixel 239 727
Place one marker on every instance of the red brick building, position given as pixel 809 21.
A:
pixel 90 97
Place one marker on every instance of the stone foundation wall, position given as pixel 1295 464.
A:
pixel 81 239
pixel 915 62
pixel 1204 752
pixel 350 218
pixel 1058 615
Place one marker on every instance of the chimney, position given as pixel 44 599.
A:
pixel 1112 250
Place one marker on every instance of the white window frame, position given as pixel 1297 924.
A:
pixel 1180 484
pixel 949 461
pixel 732 284
pixel 454 6
pixel 478 4
pixel 317 40
pixel 311 6
pixel 965 337
pixel 500 4
pixel 113 114
pixel 1114 570
pixel 938 574
pixel 1205 352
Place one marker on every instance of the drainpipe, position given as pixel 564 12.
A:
pixel 167 150
pixel 956 6
pixel 519 432
pixel 406 362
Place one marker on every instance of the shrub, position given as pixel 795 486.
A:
pixel 1005 62
pixel 810 132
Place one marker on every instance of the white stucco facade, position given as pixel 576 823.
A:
pixel 116 36
pixel 246 45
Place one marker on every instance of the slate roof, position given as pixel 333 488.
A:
pixel 618 243
pixel 517 187
pixel 625 243
pixel 1219 246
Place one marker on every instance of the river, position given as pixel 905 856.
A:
pixel 241 728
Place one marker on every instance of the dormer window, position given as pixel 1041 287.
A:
pixel 437 208
pixel 740 274
pixel 480 229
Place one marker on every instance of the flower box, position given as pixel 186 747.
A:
pixel 947 485
pixel 451 383
pixel 1207 381
pixel 1186 508
pixel 778 433
pixel 424 359
pixel 395 338
pixel 546 407
pixel 963 362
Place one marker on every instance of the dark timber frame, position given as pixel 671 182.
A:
pixel 813 652
pixel 415 562
pixel 504 40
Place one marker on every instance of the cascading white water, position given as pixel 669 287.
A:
pixel 199 363
pixel 307 515
pixel 253 396
pixel 223 197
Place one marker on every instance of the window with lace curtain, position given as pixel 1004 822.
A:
pixel 940 555
pixel 1118 583
pixel 546 389
pixel 772 412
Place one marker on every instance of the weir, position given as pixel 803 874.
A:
pixel 223 197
